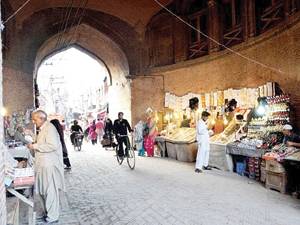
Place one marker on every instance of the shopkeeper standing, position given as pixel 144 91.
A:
pixel 203 144
pixel 290 138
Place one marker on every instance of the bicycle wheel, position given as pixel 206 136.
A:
pixel 131 158
pixel 75 145
pixel 119 159
pixel 79 147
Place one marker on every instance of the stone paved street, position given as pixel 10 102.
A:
pixel 162 191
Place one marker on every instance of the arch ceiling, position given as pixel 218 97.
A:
pixel 123 21
pixel 134 12
pixel 24 42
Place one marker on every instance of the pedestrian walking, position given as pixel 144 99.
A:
pixel 92 132
pixel 60 131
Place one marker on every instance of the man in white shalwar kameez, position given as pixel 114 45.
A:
pixel 49 172
pixel 203 144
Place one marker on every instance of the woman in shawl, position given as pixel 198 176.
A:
pixel 150 133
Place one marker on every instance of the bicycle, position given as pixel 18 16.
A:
pixel 78 141
pixel 131 154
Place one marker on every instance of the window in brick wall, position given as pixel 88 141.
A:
pixel 198 18
pixel 293 6
pixel 269 13
pixel 160 40
pixel 231 13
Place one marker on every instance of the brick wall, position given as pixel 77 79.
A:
pixel 2 188
pixel 17 90
pixel 220 71
pixel 146 92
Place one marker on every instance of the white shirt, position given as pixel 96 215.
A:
pixel 202 131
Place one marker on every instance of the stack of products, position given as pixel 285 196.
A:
pixel 272 140
pixel 277 115
pixel 263 171
pixel 278 111
pixel 230 133
pixel 254 168
pixel 23 177
pixel 256 128
pixel 280 152
pixel 187 135
pixel 250 143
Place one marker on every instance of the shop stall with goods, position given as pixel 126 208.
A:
pixel 19 181
pixel 178 118
pixel 19 171
pixel 248 135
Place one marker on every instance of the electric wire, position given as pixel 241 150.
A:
pixel 64 23
pixel 16 12
pixel 82 8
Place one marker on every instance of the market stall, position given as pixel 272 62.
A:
pixel 180 144
pixel 226 126
pixel 19 173
pixel 263 131
pixel 247 125
pixel 19 182
pixel 20 152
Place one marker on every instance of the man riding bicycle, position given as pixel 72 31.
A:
pixel 120 130
pixel 75 129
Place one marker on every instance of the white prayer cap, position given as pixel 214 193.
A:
pixel 287 127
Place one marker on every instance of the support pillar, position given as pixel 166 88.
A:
pixel 213 25
pixel 251 18
pixel 2 188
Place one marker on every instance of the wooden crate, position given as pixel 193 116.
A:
pixel 274 166
pixel 263 174
pixel 276 181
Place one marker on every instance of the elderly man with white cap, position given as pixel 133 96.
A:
pixel 290 138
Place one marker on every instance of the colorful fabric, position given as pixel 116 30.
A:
pixel 149 146
pixel 99 125
pixel 151 124
pixel 149 139
pixel 92 132
pixel 142 152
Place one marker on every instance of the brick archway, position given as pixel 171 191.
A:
pixel 102 48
